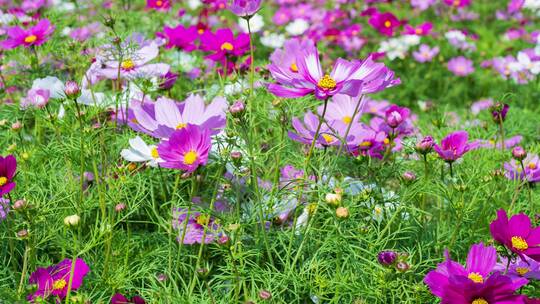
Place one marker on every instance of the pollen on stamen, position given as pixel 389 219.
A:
pixel 347 119
pixel 476 277
pixel 387 23
pixel 294 67
pixel 227 46
pixel 154 153
pixel 59 284
pixel 3 180
pixel 522 270
pixel 181 126
pixel 327 83
pixel 190 158
pixel 519 243
pixel 30 39
pixel 480 301
pixel 127 64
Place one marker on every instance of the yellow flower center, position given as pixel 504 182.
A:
pixel 59 284
pixel 3 180
pixel 519 243
pixel 457 3
pixel 327 83
pixel 159 3
pixel 190 157
pixel 532 166
pixel 327 138
pixel 30 39
pixel 200 31
pixel 347 119
pixel 480 301
pixel 181 126
pixel 154 153
pixel 387 23
pixel 365 144
pixel 476 277
pixel 127 64
pixel 386 141
pixel 294 67
pixel 227 46
pixel 418 31
pixel 522 270
pixel 202 219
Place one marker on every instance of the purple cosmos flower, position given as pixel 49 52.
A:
pixel 342 108
pixel 186 149
pixel 36 35
pixel 385 23
pixel 457 3
pixel 422 30
pixel 329 134
pixel 245 8
pixel 37 98
pixel 460 66
pixel 395 115
pixel 8 166
pixel 517 234
pixel 481 261
pixel 529 269
pixel 121 299
pixel 422 4
pixel 528 169
pixel 54 280
pixel 223 44
pixel 168 80
pixel 192 231
pixel 387 257
pixel 367 142
pixel 158 5
pixel 453 146
pixel 508 143
pixel 283 63
pixel 162 118
pixel 425 53
pixel 181 37
pixel 4 208
pixel 515 6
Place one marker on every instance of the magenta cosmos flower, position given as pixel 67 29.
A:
pixel 158 5
pixel 423 29
pixel 453 146
pixel 186 149
pixel 121 299
pixel 517 234
pixel 33 36
pixel 54 280
pixel 245 8
pixel 457 3
pixel 460 66
pixel 385 23
pixel 8 166
pixel 528 169
pixel 181 37
pixel 162 118
pixel 223 44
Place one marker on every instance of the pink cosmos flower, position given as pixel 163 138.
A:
pixel 283 61
pixel 460 66
pixel 181 37
pixel 245 8
pixel 192 232
pixel 423 29
pixel 162 118
pixel 119 298
pixel 453 146
pixel 342 108
pixel 222 43
pixel 425 53
pixel 158 5
pixel 457 3
pixel 37 98
pixel 517 234
pixel 34 36
pixel 329 134
pixel 385 23
pixel 8 166
pixel 529 171
pixel 186 149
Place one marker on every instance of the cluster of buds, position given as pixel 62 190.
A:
pixel 390 258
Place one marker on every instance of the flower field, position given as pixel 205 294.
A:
pixel 286 151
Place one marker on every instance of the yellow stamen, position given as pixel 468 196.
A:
pixel 154 153
pixel 387 23
pixel 456 2
pixel 328 138
pixel 418 31
pixel 365 144
pixel 480 301
pixel 200 31
pixel 3 180
pixel 294 67
pixel 522 270
pixel 532 166
pixel 227 46
pixel 59 284
pixel 159 3
pixel 476 277
pixel 519 243
pixel 181 126
pixel 30 39
pixel 327 83
pixel 190 158
pixel 127 64
pixel 347 119
pixel 202 219
pixel 386 141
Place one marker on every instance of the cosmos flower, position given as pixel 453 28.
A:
pixel 8 166
pixel 139 151
pixel 36 97
pixel 395 115
pixel 517 234
pixel 54 280
pixel 342 108
pixel 191 229
pixel 186 149
pixel 457 3
pixel 508 143
pixel 181 37
pixel 460 66
pixel 423 29
pixel 121 299
pixel 4 208
pixel 453 146
pixel 245 8
pixel 385 23
pixel 223 44
pixel 528 268
pixel 283 61
pixel 367 141
pixel 162 118
pixel 329 134
pixel 425 53
pixel 528 169
pixel 34 36
pixel 158 5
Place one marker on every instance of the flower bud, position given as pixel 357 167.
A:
pixel 402 266
pixel 387 257
pixel 72 90
pixel 72 220
pixel 342 212
pixel 396 115
pixel 265 294
pixel 237 109
pixel 499 111
pixel 16 126
pixel 409 176
pixel 425 145
pixel 120 207
pixel 333 198
pixel 519 153
pixel 22 234
pixel 19 204
pixel 223 239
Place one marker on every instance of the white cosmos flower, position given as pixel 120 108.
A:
pixel 140 152
pixel 51 83
pixel 273 40
pixel 297 27
pixel 256 23
pixel 524 62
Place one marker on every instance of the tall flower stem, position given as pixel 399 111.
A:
pixel 359 108
pixel 24 269
pixel 252 64
pixel 501 131
pixel 72 269
pixel 81 133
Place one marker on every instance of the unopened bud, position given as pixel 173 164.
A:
pixel 72 220
pixel 333 198
pixel 72 90
pixel 342 212
pixel 265 294
pixel 519 153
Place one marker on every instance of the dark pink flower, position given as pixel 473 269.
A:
pixel 457 3
pixel 453 146
pixel 33 36
pixel 8 166
pixel 385 23
pixel 517 234
pixel 181 37
pixel 186 149
pixel 423 29
pixel 121 299
pixel 222 44
pixel 158 5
